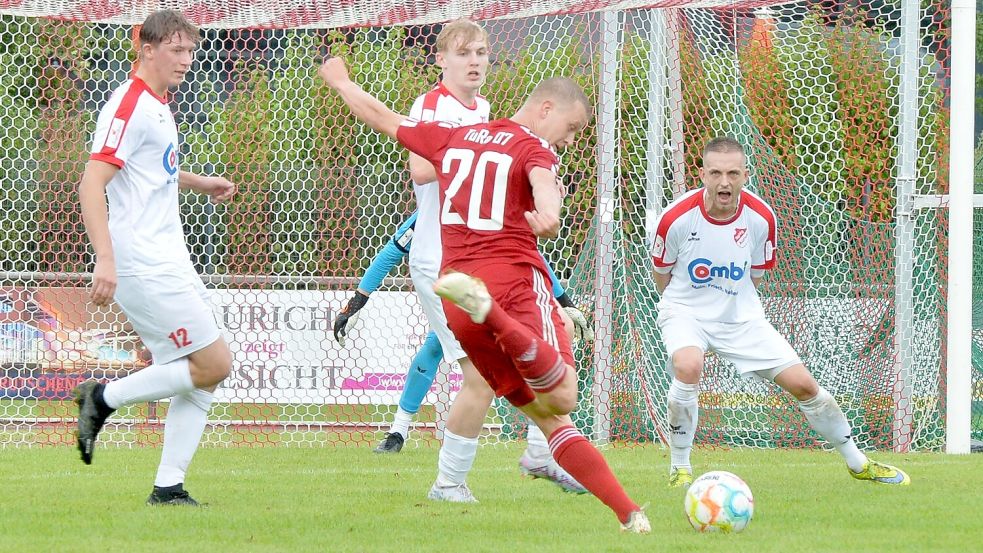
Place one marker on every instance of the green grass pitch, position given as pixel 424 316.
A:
pixel 349 499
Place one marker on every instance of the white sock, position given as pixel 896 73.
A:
pixel 402 422
pixel 826 417
pixel 538 449
pixel 149 384
pixel 455 459
pixel 186 419
pixel 684 410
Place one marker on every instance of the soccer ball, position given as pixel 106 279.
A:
pixel 719 501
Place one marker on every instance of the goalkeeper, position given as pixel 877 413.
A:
pixel 423 368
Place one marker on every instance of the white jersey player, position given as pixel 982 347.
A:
pixel 142 260
pixel 711 248
pixel 439 104
pixel 462 54
pixel 709 260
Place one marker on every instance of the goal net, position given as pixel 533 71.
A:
pixel 841 104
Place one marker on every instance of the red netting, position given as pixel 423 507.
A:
pixel 813 90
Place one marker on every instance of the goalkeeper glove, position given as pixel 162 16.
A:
pixel 581 328
pixel 348 316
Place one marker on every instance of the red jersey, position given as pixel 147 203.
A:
pixel 483 173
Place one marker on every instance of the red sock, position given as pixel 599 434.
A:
pixel 585 463
pixel 536 360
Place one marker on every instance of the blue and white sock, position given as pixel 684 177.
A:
pixel 419 380
pixel 401 423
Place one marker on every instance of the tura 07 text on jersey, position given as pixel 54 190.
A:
pixel 484 137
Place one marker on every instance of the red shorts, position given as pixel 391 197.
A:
pixel 525 292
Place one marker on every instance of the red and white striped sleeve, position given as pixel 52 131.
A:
pixel 766 233
pixel 424 139
pixel 425 107
pixel 665 243
pixel 115 138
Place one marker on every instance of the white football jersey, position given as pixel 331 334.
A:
pixel 136 132
pixel 437 105
pixel 712 261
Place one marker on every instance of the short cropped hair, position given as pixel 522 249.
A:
pixel 723 145
pixel 561 89
pixel 161 25
pixel 460 31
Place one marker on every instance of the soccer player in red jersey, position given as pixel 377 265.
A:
pixel 498 194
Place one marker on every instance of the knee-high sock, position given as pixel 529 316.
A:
pixel 419 380
pixel 186 419
pixel 826 417
pixel 149 384
pixel 585 463
pixel 684 412
pixel 455 459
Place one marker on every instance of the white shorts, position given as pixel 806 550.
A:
pixel 432 306
pixel 754 347
pixel 171 312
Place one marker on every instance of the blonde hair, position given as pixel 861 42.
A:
pixel 562 90
pixel 161 25
pixel 460 31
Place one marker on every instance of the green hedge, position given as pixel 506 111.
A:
pixel 320 192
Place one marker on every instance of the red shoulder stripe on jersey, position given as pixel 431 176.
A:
pixel 759 206
pixel 148 90
pixel 121 119
pixel 670 216
pixel 430 104
pixel 446 92
pixel 674 212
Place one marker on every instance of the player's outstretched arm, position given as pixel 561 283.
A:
pixel 391 254
pixel 218 189
pixel 387 258
pixel 394 251
pixel 95 217
pixel 362 104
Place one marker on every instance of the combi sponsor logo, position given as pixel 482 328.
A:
pixel 702 271
pixel 170 159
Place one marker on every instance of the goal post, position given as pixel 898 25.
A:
pixel 961 255
pixel 843 106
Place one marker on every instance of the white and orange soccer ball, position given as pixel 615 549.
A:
pixel 719 501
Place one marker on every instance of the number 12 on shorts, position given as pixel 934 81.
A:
pixel 180 337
